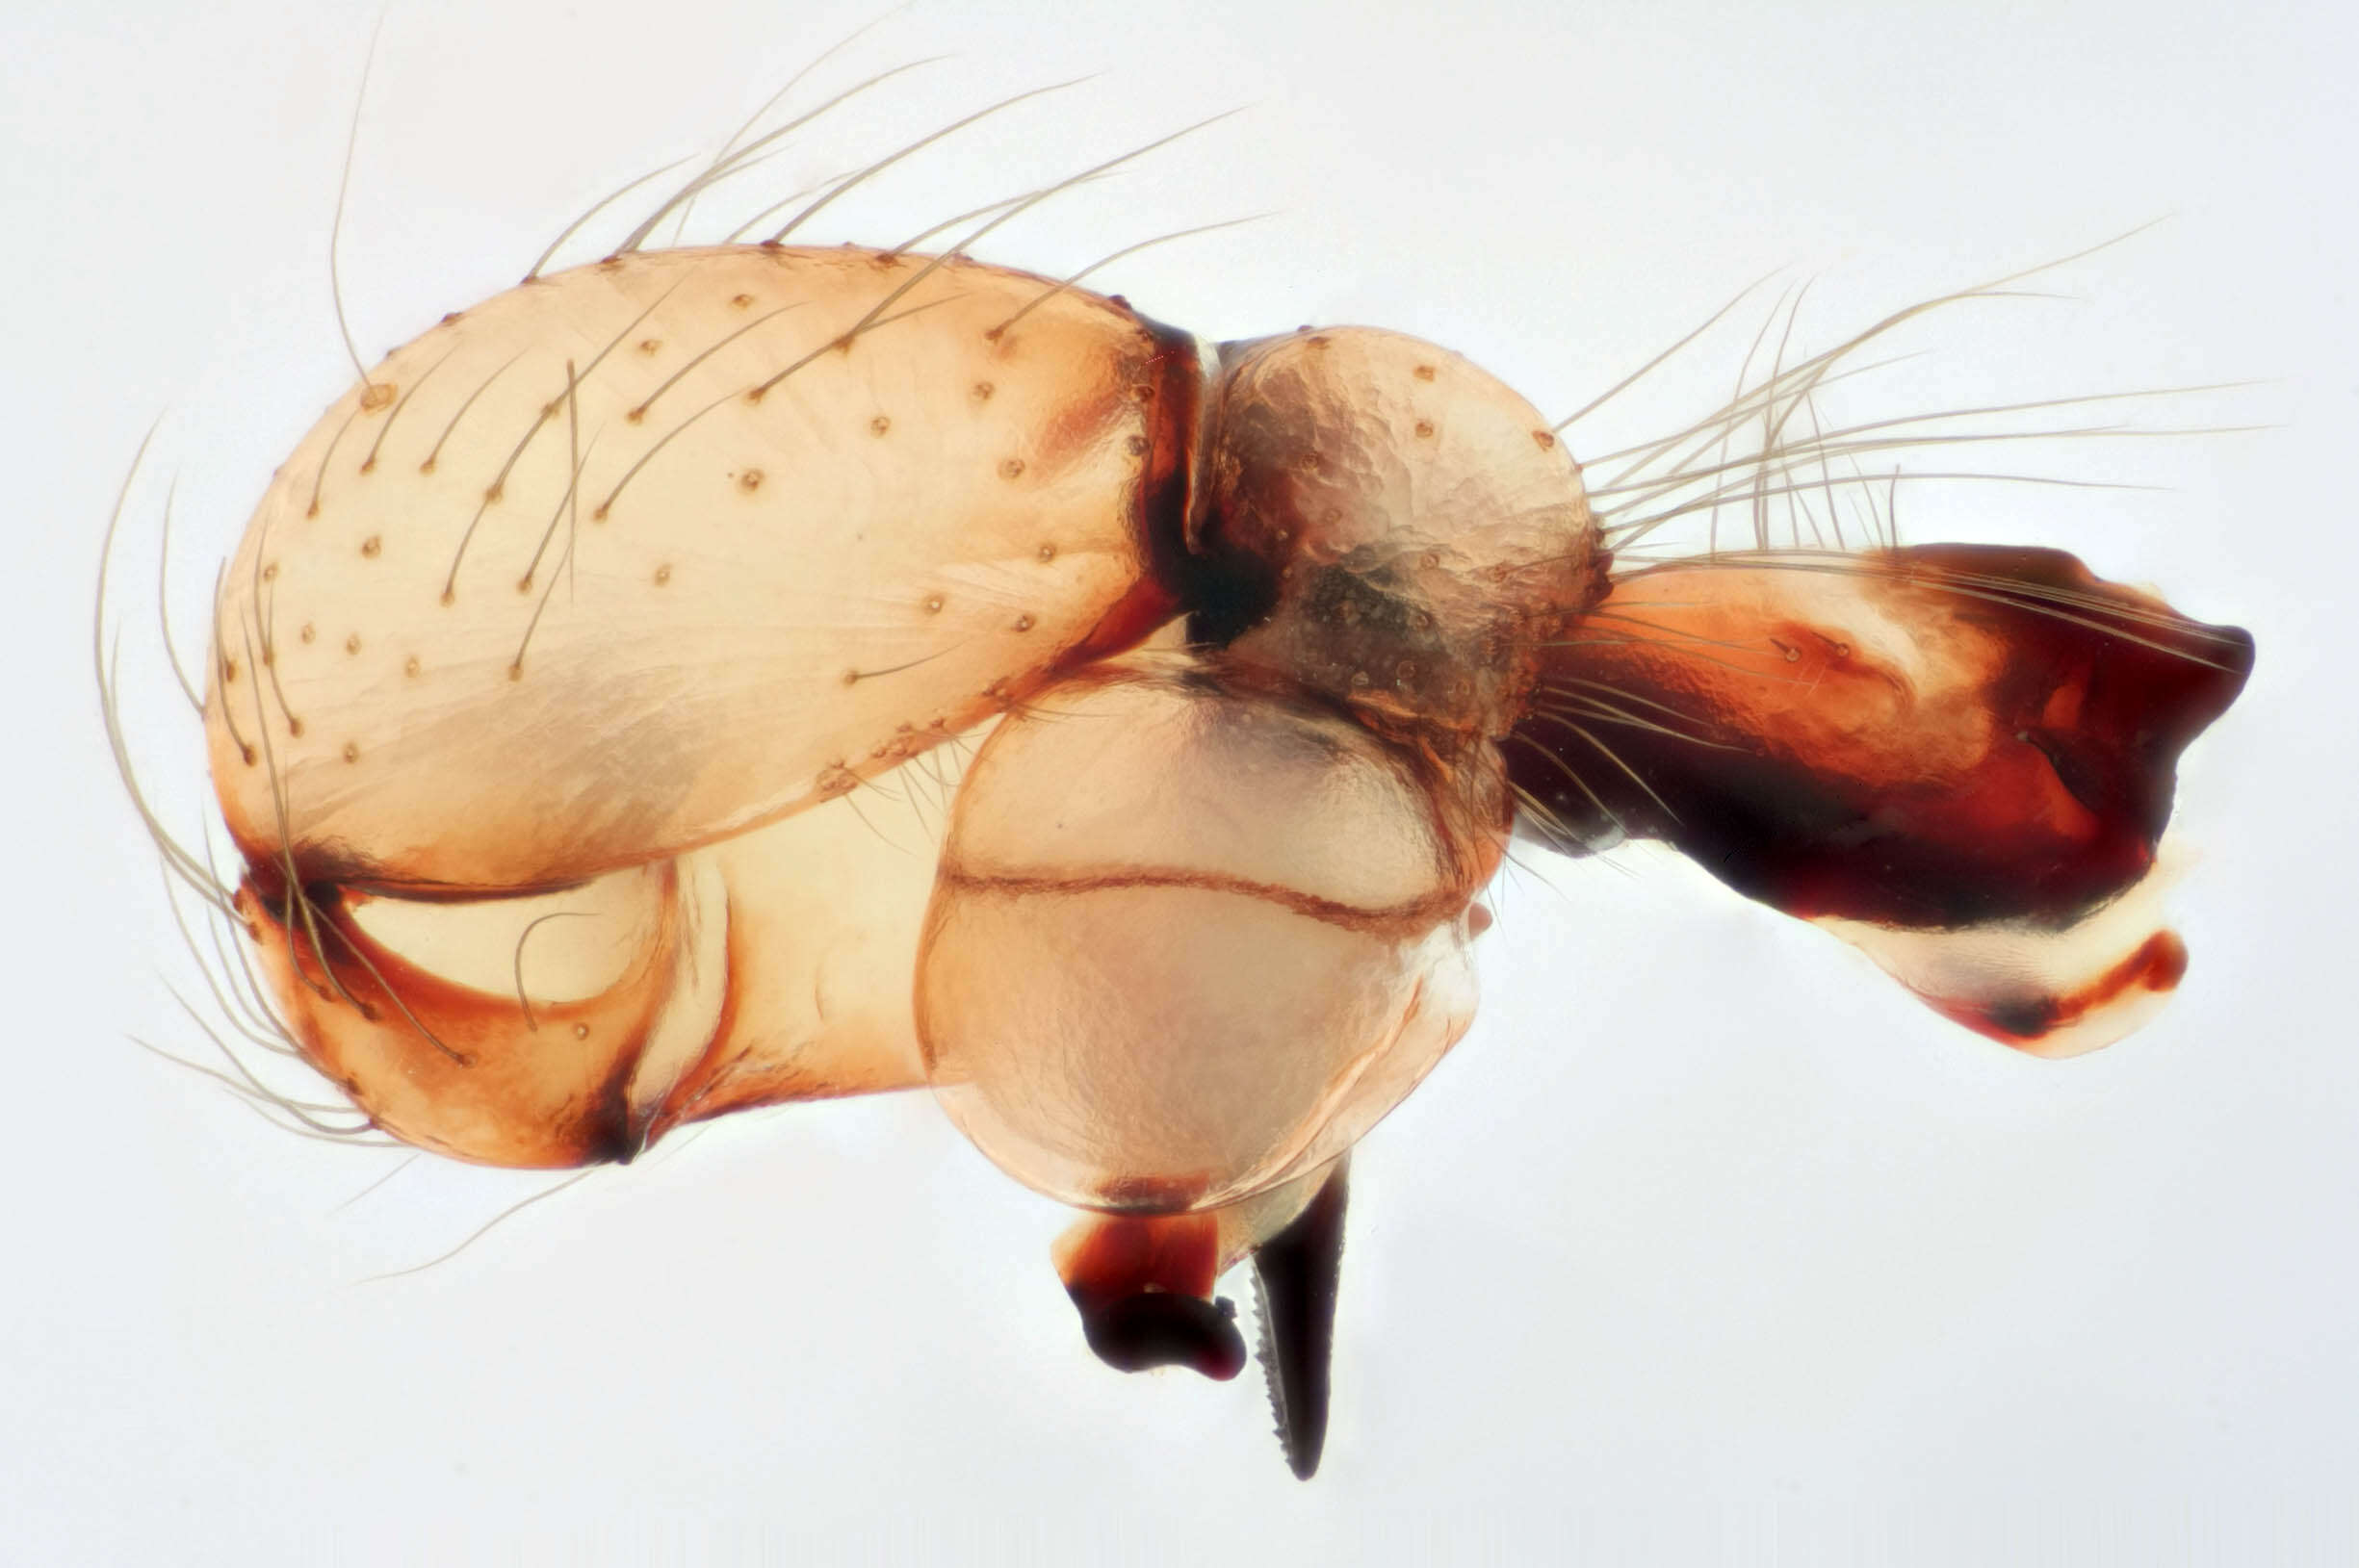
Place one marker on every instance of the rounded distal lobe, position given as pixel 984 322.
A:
pixel 1403 528
pixel 1193 934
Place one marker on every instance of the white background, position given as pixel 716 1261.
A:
pixel 1708 1244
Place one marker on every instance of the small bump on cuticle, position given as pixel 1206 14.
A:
pixel 352 644
pixel 351 751
pixel 1425 428
pixel 1137 445
pixel 1543 439
pixel 750 480
pixel 1024 623
pixel 663 575
pixel 308 633
pixel 580 1030
pixel 270 571
pixel 648 346
pixel 880 424
pixel 983 390
pixel 1047 552
pixel 933 603
pixel 741 300
pixel 1423 373
pixel 409 667
pixel 371 546
pixel 1011 468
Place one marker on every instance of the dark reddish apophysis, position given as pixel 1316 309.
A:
pixel 1972 742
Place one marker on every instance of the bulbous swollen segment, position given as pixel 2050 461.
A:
pixel 1404 525
pixel 1193 934
pixel 645 555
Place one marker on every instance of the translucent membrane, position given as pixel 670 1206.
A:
pixel 1191 937
pixel 2048 992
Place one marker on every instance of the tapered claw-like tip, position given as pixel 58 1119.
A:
pixel 1296 1273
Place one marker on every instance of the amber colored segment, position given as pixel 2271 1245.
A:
pixel 1192 937
pixel 1239 1230
pixel 592 604
pixel 1932 738
pixel 583 1024
pixel 473 1071
pixel 825 908
pixel 1114 1254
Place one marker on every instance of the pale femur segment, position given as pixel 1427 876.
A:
pixel 746 673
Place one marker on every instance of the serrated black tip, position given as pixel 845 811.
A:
pixel 1296 1276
